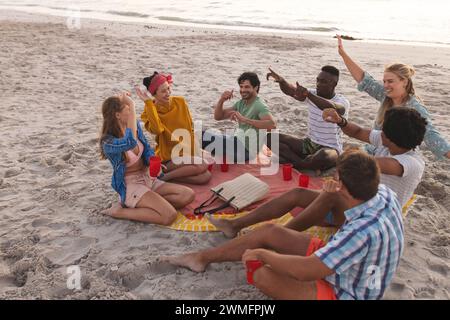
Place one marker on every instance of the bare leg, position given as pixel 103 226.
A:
pixel 289 147
pixel 289 155
pixel 273 209
pixel 282 287
pixel 187 173
pixel 273 237
pixel 291 150
pixel 152 208
pixel 201 178
pixel 177 195
pixel 321 160
pixel 315 213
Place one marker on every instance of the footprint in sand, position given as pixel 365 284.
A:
pixel 184 241
pixel 40 222
pixel 82 130
pixel 66 156
pixel 69 250
pixel 48 161
pixel 65 146
pixel 12 172
pixel 397 286
pixel 93 171
pixel 442 240
pixel 130 277
pixel 20 271
pixel 161 235
pixel 160 268
pixel 83 150
pixel 7 279
pixel 92 141
pixel 441 268
pixel 425 293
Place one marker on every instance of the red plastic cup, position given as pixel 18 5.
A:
pixel 210 167
pixel 252 266
pixel 154 166
pixel 303 180
pixel 287 171
pixel 224 166
pixel 190 216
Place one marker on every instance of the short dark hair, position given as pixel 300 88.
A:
pixel 252 77
pixel 146 81
pixel 405 127
pixel 331 70
pixel 359 173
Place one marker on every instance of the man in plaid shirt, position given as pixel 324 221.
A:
pixel 358 262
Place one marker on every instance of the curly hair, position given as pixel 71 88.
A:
pixel 405 127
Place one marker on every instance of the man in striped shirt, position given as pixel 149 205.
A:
pixel 357 263
pixel 323 143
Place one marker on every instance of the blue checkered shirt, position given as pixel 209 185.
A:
pixel 366 251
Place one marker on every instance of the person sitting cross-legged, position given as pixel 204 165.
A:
pixel 323 143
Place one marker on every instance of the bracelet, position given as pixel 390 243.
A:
pixel 343 123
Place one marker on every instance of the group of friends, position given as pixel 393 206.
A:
pixel 364 200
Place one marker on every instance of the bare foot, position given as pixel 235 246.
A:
pixel 112 211
pixel 191 261
pixel 223 225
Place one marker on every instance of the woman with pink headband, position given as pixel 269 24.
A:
pixel 163 115
pixel 122 142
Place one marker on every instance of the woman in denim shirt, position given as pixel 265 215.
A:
pixel 123 143
pixel 397 90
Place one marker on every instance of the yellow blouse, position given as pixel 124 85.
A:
pixel 162 121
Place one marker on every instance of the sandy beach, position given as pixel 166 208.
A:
pixel 53 185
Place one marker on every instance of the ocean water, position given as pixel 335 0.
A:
pixel 420 21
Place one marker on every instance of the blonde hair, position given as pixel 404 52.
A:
pixel 404 72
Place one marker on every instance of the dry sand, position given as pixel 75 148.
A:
pixel 52 184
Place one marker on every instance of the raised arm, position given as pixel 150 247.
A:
pixel 221 113
pixel 286 88
pixel 125 97
pixel 349 128
pixel 320 102
pixel 150 116
pixel 355 70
